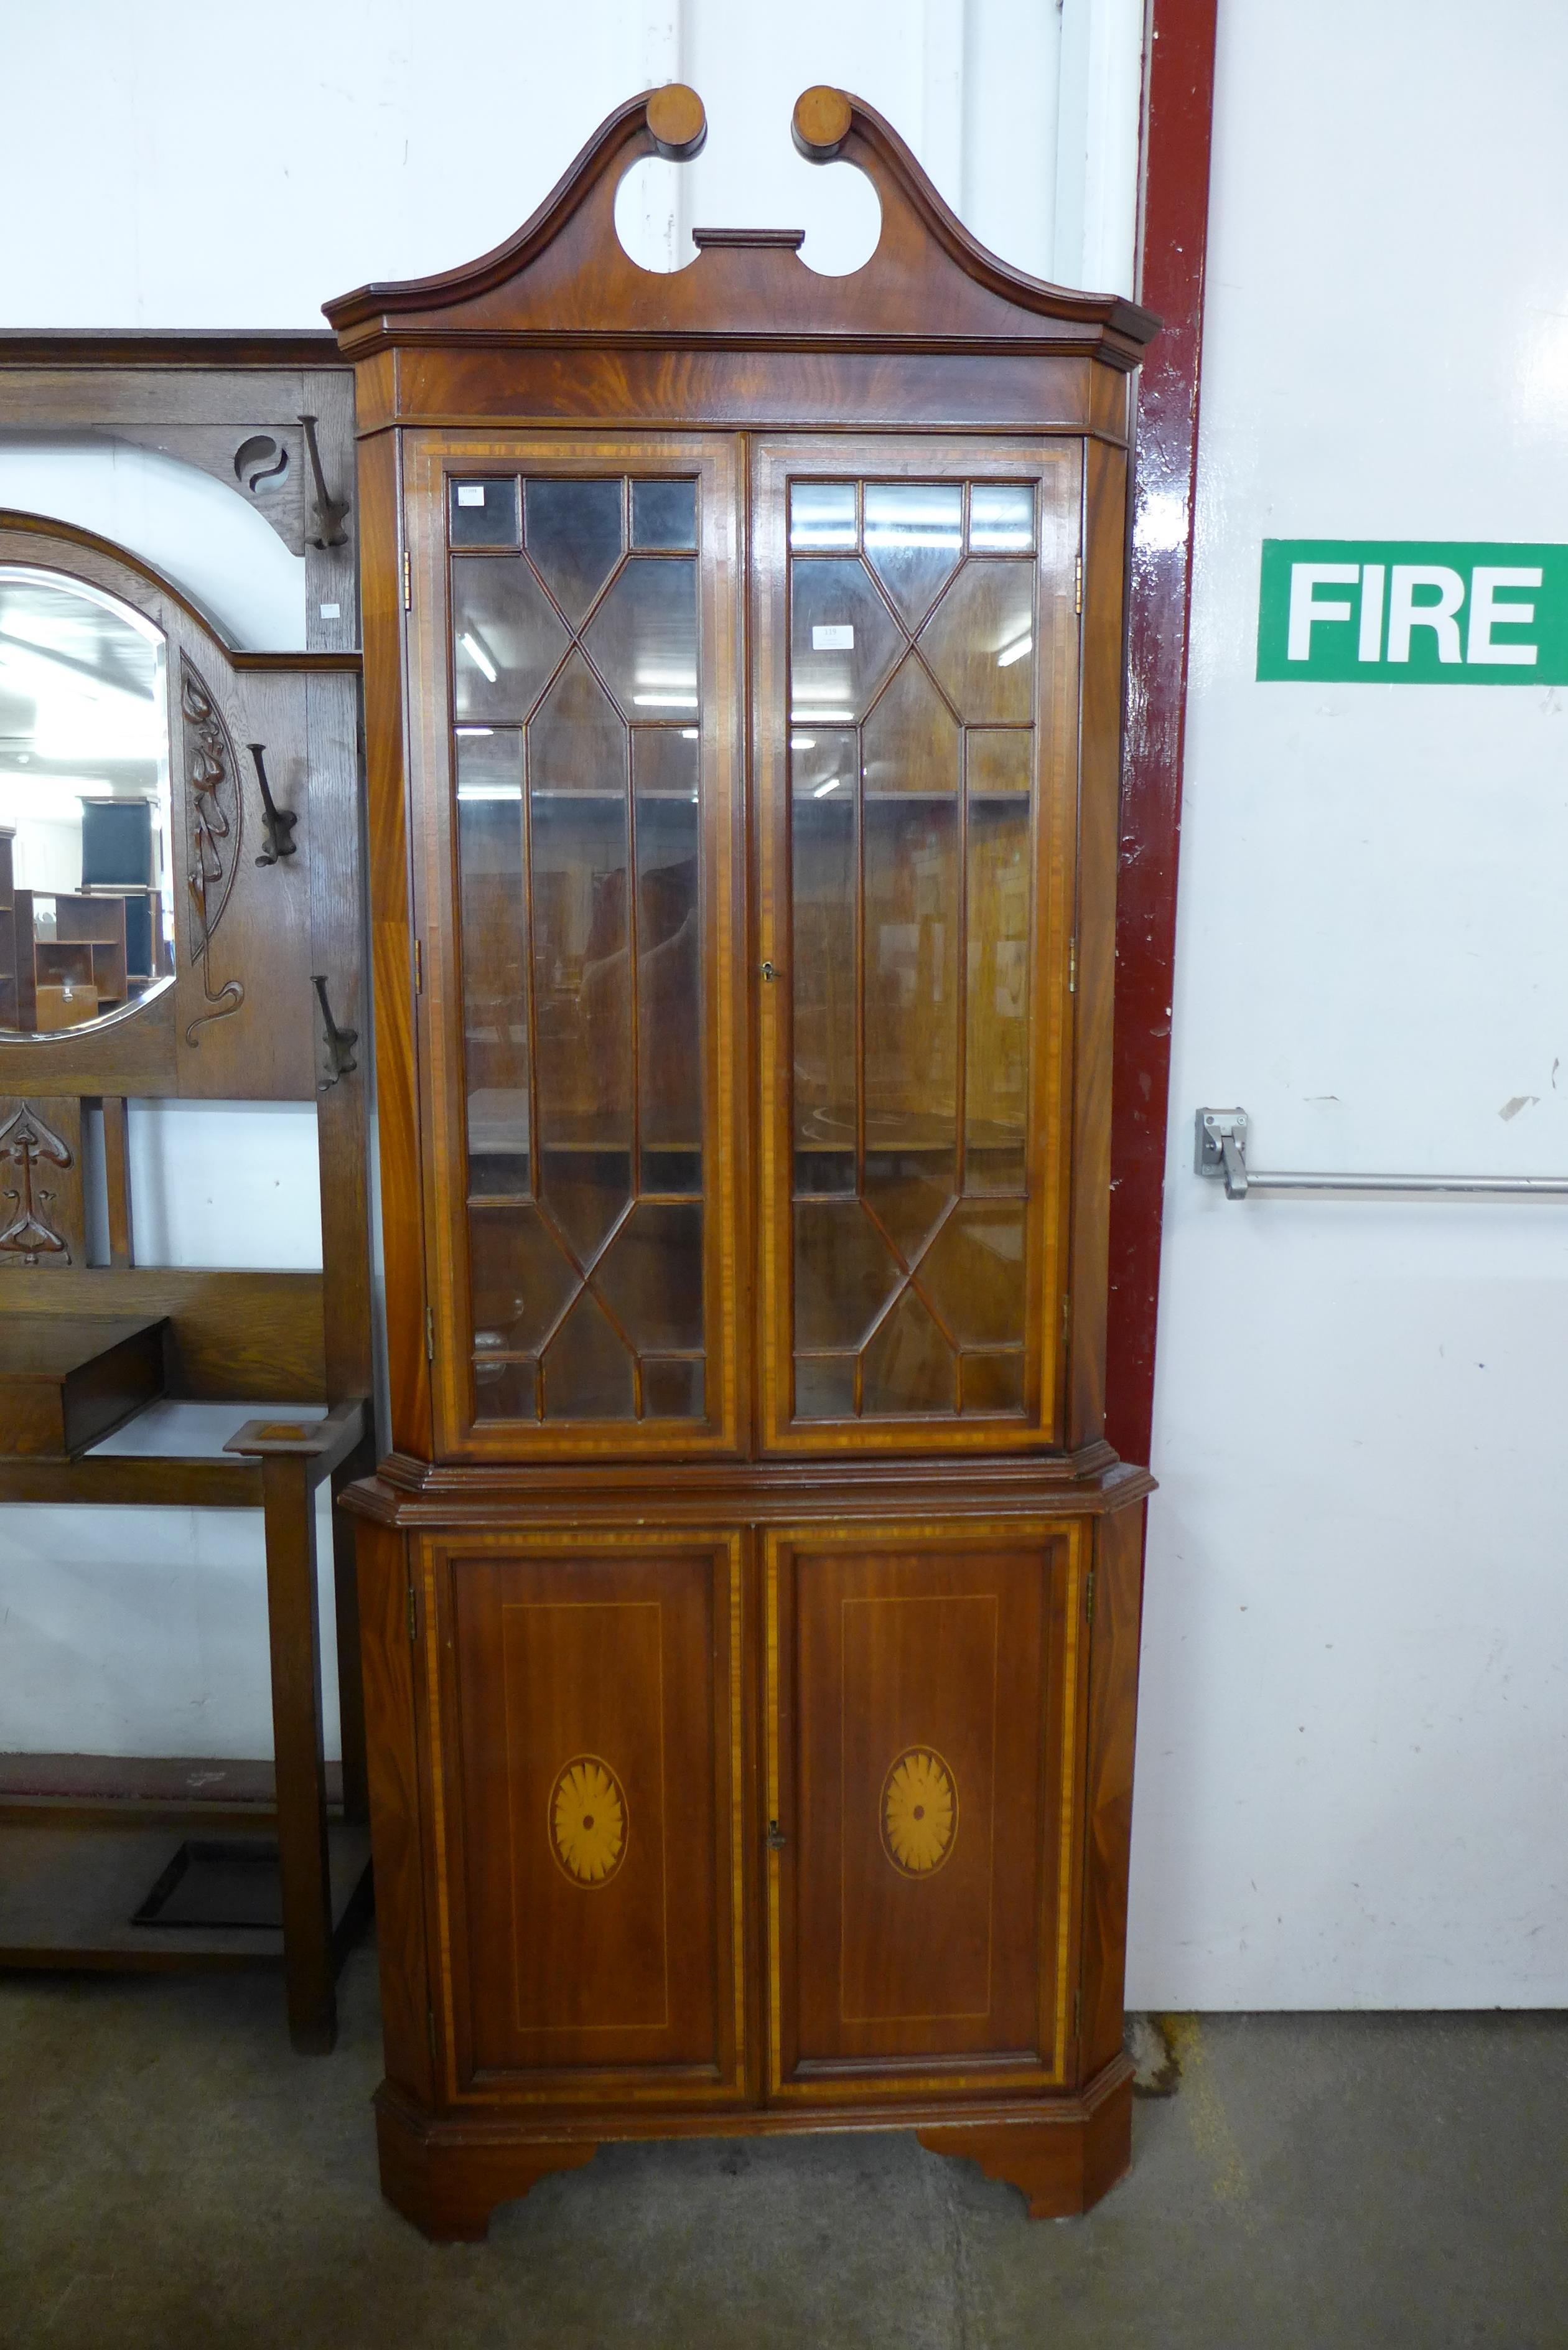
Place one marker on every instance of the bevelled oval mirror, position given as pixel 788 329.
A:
pixel 86 918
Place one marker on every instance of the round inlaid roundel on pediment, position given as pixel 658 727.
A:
pixel 588 1821
pixel 920 1812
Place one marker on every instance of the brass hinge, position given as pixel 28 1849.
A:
pixel 413 1616
pixel 407 581
pixel 418 966
pixel 1077 2013
pixel 1072 966
pixel 1078 584
pixel 429 1334
pixel 1067 1315
pixel 1089 1597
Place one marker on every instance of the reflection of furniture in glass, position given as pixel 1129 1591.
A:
pixel 751 1599
pixel 117 844
pixel 96 952
pixel 87 951
pixel 134 1881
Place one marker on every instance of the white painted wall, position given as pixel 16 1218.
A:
pixel 1353 1731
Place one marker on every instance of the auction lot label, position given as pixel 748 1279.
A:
pixel 1382 611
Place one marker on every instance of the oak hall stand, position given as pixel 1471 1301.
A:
pixel 749 1602
pixel 233 971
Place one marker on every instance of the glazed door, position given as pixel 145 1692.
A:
pixel 923 1714
pixel 915 746
pixel 586 1825
pixel 575 715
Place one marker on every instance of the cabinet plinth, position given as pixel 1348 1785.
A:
pixel 749 1602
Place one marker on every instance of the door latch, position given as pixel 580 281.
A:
pixel 1220 1148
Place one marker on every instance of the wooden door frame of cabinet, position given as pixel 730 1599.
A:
pixel 431 458
pixel 1064 1102
pixel 434 1560
pixel 902 2081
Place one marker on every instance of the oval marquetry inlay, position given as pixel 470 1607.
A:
pixel 920 1812
pixel 588 1821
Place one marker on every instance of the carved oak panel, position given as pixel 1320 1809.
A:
pixel 42 1212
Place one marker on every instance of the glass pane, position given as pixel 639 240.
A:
pixel 823 961
pixel 980 643
pixel 821 1173
pixel 665 761
pixel 911 736
pixel 85 852
pixel 522 1280
pixel 1000 763
pixel 842 642
pixel 582 985
pixel 991 1382
pixel 573 536
pixel 973 1273
pixel 1002 517
pixel 578 742
pixel 588 1371
pixel 651 1278
pixel 484 513
pixel 664 514
pixel 494 996
pixel 643 638
pixel 911 904
pixel 666 1171
pixel 580 876
pixel 506 639
pixel 914 536
pixel 843 1273
pixel 909 1366
pixel 825 1387
pixel 907 1191
pixel 996 1059
pixel 503 1391
pixel 669 947
pixel 911 973
pixel 821 514
pixel 672 1390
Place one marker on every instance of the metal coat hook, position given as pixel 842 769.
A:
pixel 279 822
pixel 341 1042
pixel 331 512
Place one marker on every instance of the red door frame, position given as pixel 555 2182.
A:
pixel 1173 228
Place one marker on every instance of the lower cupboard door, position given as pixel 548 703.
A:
pixel 921 1724
pixel 586 1814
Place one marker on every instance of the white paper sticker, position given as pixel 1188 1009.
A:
pixel 332 611
pixel 837 639
pixel 471 494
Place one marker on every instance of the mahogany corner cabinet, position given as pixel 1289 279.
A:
pixel 750 1600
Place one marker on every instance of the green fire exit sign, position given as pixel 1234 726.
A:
pixel 1383 611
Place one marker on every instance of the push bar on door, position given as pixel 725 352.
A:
pixel 1220 1153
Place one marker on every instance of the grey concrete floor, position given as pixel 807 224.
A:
pixel 171 2178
